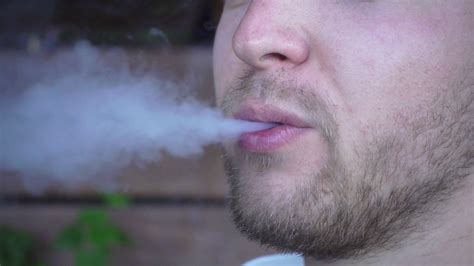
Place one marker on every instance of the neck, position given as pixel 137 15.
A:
pixel 447 237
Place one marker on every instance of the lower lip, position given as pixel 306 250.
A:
pixel 269 140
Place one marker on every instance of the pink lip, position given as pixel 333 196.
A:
pixel 264 141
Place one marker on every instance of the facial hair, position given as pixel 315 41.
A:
pixel 344 211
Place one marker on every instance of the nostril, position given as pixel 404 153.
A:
pixel 274 56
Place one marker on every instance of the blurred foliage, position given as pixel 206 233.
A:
pixel 116 200
pixel 93 234
pixel 16 247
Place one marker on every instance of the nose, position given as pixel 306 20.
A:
pixel 268 36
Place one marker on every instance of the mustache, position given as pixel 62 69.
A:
pixel 275 89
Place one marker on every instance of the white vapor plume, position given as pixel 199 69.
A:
pixel 79 116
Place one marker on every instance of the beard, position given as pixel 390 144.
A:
pixel 350 207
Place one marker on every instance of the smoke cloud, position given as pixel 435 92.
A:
pixel 81 115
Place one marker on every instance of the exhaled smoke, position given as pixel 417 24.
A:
pixel 81 116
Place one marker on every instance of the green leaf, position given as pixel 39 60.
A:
pixel 117 236
pixel 116 200
pixel 70 237
pixel 91 236
pixel 123 238
pixel 106 235
pixel 92 217
pixel 92 257
pixel 15 246
pixel 101 236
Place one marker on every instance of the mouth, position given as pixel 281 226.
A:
pixel 288 128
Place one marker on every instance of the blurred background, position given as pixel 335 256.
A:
pixel 173 212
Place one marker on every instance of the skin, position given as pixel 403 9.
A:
pixel 385 174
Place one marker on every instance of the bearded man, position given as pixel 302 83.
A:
pixel 371 158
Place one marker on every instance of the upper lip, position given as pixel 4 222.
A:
pixel 269 114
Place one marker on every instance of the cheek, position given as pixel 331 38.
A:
pixel 389 67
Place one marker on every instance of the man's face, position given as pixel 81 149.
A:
pixel 375 101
